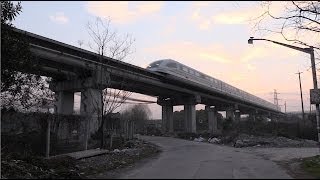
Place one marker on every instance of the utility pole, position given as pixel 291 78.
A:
pixel 301 95
pixel 315 90
pixel 275 97
pixel 285 107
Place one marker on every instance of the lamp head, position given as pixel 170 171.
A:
pixel 250 41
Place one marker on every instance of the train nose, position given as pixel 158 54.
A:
pixel 151 69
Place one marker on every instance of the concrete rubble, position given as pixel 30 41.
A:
pixel 244 140
pixel 214 140
pixel 200 139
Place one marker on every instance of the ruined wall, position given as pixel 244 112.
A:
pixel 27 132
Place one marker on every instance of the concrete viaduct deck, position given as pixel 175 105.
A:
pixel 76 69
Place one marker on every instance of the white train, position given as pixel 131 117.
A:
pixel 169 66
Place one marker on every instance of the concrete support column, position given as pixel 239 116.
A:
pixel 64 102
pixel 190 118
pixel 167 118
pixel 237 116
pixel 269 115
pixel 90 108
pixel 212 119
pixel 253 115
pixel 230 114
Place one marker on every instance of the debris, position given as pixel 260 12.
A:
pixel 200 139
pixel 116 150
pixel 214 140
pixel 65 167
pixel 244 140
pixel 239 143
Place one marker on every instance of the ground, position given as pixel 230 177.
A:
pixel 179 159
pixel 190 159
pixel 65 167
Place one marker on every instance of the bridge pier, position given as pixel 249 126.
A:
pixel 230 114
pixel 253 114
pixel 167 118
pixel 237 115
pixel 190 113
pixel 190 118
pixel 212 119
pixel 64 102
pixel 90 107
pixel 91 98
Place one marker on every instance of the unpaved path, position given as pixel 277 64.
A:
pixel 188 159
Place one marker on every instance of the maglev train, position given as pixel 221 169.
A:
pixel 169 66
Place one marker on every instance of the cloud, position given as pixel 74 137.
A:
pixel 246 15
pixel 205 25
pixel 207 14
pixel 198 16
pixel 59 18
pixel 123 11
pixel 189 50
pixel 251 67
pixel 206 55
pixel 170 27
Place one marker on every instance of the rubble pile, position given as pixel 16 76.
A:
pixel 29 167
pixel 117 158
pixel 33 167
pixel 214 140
pixel 244 140
pixel 200 139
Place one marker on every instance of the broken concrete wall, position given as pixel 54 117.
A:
pixel 27 131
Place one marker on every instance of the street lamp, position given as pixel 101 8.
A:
pixel 314 93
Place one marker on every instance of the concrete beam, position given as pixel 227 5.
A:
pixel 179 100
pixel 130 73
pixel 64 102
pixel 95 82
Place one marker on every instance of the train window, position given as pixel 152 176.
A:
pixel 172 65
pixel 154 64
pixel 185 69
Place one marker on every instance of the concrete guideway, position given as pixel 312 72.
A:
pixel 189 159
pixel 77 70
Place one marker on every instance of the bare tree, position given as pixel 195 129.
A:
pixel 297 20
pixel 135 116
pixel 22 87
pixel 107 42
pixel 32 96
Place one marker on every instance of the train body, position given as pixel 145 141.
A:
pixel 171 67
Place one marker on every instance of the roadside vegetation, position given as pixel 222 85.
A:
pixel 312 166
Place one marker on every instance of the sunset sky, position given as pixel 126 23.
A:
pixel 208 36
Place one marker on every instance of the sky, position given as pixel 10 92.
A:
pixel 208 36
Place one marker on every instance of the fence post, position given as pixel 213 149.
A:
pixel 48 138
